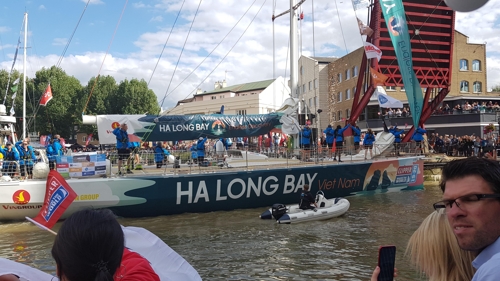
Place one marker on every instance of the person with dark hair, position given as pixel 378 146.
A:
pixel 418 137
pixel 397 138
pixel 471 201
pixel 200 149
pixel 91 246
pixel 368 142
pixel 329 133
pixel 306 199
pixel 122 145
pixel 27 156
pixel 160 153
pixel 10 159
pixel 357 136
pixel 339 141
pixel 53 150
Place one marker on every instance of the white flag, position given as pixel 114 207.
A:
pixel 16 81
pixel 372 51
pixel 14 95
pixel 359 4
pixel 12 112
pixel 386 101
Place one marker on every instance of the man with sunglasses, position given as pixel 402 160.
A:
pixel 471 200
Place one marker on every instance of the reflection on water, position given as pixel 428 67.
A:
pixel 237 245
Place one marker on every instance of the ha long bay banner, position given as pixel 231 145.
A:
pixel 185 127
pixel 394 15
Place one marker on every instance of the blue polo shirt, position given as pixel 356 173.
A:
pixel 486 263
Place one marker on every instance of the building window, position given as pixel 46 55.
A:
pixel 348 113
pixel 213 97
pixel 476 65
pixel 348 94
pixel 354 91
pixel 464 86
pixel 390 88
pixel 355 71
pixel 340 115
pixel 310 85
pixel 304 88
pixel 302 70
pixel 403 88
pixel 316 83
pixel 241 112
pixel 222 96
pixel 334 116
pixel 339 97
pixel 477 87
pixel 310 102
pixel 464 65
pixel 347 74
pixel 316 101
pixel 84 138
pixel 339 77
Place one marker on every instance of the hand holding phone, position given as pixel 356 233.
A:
pixel 386 261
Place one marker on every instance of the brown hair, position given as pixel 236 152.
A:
pixel 306 187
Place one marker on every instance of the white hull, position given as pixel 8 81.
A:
pixel 330 210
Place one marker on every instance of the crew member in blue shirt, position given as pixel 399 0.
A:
pixel 329 133
pixel 10 159
pixel 53 150
pixel 418 137
pixel 200 148
pixel 357 136
pixel 368 142
pixel 123 146
pixel 160 153
pixel 339 141
pixel 306 135
pixel 397 138
pixel 27 156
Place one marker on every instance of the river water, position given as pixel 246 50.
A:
pixel 237 245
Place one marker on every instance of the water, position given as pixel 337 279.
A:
pixel 237 245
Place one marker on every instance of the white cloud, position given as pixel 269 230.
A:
pixel 156 19
pixel 93 1
pixel 139 5
pixel 41 7
pixel 4 29
pixel 60 41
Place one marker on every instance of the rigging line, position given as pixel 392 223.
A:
pixel 314 43
pixel 165 45
pixel 72 34
pixel 14 61
pixel 105 55
pixel 341 29
pixel 234 45
pixel 180 55
pixel 213 50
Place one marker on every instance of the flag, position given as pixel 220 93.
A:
pixel 47 96
pixel 334 146
pixel 89 138
pixel 395 18
pixel 58 197
pixel 301 17
pixel 14 95
pixel 14 86
pixel 386 101
pixel 364 29
pixel 377 77
pixel 372 51
pixel 12 112
pixel 358 4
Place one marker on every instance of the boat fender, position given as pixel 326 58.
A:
pixel 337 200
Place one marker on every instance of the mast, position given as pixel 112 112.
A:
pixel 24 73
pixel 294 54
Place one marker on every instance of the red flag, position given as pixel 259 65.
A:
pixel 301 15
pixel 47 96
pixel 88 139
pixel 334 147
pixel 58 197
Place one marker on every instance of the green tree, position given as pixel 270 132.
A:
pixel 496 88
pixel 133 97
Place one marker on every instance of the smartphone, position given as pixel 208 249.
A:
pixel 386 260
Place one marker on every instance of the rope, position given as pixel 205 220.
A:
pixel 180 55
pixel 341 29
pixel 165 45
pixel 230 48
pixel 107 51
pixel 213 50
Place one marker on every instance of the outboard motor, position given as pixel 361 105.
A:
pixel 278 210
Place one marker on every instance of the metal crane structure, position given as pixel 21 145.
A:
pixel 431 25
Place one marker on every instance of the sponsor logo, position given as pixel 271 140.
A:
pixel 115 125
pixel 395 25
pixel 382 99
pixel 21 197
pixel 218 125
pixel 22 207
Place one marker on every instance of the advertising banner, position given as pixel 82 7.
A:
pixel 82 165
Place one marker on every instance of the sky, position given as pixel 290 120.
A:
pixel 178 46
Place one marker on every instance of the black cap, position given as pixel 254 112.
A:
pixel 8 143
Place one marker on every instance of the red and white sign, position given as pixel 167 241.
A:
pixel 372 51
pixel 47 96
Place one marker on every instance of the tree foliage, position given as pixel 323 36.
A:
pixel 71 100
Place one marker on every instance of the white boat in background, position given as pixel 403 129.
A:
pixel 327 209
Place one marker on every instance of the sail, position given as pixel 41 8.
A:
pixel 185 127
pixel 394 15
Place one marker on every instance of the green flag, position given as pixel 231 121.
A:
pixel 394 15
pixel 14 85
